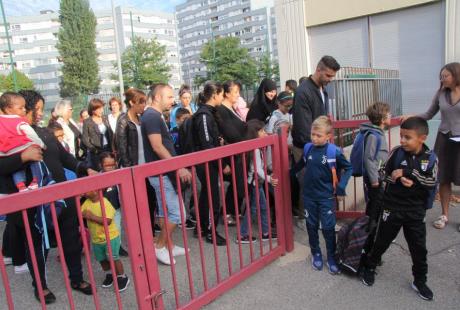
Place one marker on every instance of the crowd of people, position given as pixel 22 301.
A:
pixel 151 126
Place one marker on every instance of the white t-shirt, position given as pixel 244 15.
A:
pixel 140 145
pixel 103 130
pixel 112 122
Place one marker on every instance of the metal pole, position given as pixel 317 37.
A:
pixel 13 70
pixel 134 50
pixel 117 47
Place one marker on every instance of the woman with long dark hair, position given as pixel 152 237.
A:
pixel 447 101
pixel 233 129
pixel 207 136
pixel 264 102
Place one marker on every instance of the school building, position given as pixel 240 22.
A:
pixel 415 37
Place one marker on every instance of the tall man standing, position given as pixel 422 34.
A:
pixel 159 145
pixel 310 102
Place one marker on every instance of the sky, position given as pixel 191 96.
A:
pixel 33 7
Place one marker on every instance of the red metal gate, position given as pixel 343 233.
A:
pixel 220 268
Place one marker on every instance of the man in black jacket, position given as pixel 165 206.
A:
pixel 310 102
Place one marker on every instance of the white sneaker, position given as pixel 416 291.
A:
pixel 178 251
pixel 21 269
pixel 7 260
pixel 163 256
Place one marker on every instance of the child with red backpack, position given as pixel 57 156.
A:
pixel 323 162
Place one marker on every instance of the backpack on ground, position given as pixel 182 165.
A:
pixel 186 139
pixel 331 154
pixel 399 157
pixel 351 240
pixel 357 152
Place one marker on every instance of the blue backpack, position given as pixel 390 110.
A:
pixel 357 152
pixel 331 154
pixel 399 157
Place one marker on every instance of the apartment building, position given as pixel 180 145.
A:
pixel 201 21
pixel 34 41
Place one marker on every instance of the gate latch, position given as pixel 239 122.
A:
pixel 155 296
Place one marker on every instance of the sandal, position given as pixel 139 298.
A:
pixel 441 222
pixel 83 287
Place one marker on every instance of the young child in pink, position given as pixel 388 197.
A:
pixel 16 135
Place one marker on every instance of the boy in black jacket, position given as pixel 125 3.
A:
pixel 408 186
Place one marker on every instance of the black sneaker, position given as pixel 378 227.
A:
pixel 245 239
pixel 423 290
pixel 49 298
pixel 157 228
pixel 123 252
pixel 265 237
pixel 188 225
pixel 220 241
pixel 123 282
pixel 108 280
pixel 368 276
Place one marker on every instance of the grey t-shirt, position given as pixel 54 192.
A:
pixel 152 122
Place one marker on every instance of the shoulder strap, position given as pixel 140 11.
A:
pixel 331 154
pixel 399 157
pixel 431 160
pixel 306 150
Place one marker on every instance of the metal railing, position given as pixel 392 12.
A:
pixel 354 89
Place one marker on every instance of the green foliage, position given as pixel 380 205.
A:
pixel 267 68
pixel 227 60
pixel 144 63
pixel 22 82
pixel 77 48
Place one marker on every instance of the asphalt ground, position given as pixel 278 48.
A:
pixel 287 283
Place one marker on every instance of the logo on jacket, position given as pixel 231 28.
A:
pixel 324 161
pixel 404 163
pixel 424 165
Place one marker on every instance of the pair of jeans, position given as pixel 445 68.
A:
pixel 35 169
pixel 263 211
pixel 171 198
pixel 323 212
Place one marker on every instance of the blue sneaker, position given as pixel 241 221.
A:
pixel 317 261
pixel 332 265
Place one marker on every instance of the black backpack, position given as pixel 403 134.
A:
pixel 351 240
pixel 186 136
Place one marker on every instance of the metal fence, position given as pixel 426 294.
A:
pixel 354 89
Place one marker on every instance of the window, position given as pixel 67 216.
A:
pixel 23 40
pixel 43 48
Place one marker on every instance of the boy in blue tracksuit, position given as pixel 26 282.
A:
pixel 322 162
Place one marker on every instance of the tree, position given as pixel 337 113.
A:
pixel 267 68
pixel 77 48
pixel 144 63
pixel 226 60
pixel 22 82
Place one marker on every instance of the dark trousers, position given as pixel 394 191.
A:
pixel 41 255
pixel 414 228
pixel 71 241
pixel 19 247
pixel 204 205
pixel 323 212
pixel 13 244
pixel 239 182
pixel 374 197
pixel 152 199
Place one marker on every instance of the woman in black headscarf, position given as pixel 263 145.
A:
pixel 264 102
